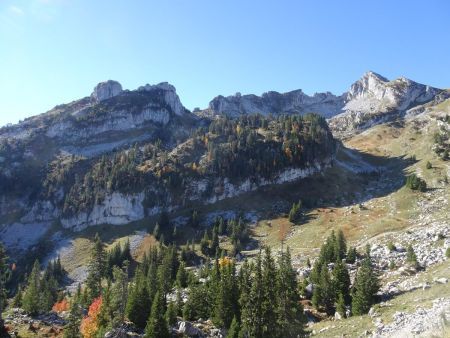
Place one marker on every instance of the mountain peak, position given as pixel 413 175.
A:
pixel 106 90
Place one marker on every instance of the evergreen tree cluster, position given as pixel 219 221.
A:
pixel 261 300
pixel 332 290
pixel 42 290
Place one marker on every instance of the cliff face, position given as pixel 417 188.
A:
pixel 294 102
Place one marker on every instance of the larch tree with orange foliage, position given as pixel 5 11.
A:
pixel 89 324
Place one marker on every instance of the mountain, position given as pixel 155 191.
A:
pixel 374 99
pixel 294 102
pixel 120 156
pixel 371 100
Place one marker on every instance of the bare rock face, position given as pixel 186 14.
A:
pixel 294 102
pixel 373 99
pixel 106 90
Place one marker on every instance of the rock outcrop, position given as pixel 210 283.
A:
pixel 294 102
pixel 106 90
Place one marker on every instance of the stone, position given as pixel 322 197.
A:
pixel 440 280
pixel 106 90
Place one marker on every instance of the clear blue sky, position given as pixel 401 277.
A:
pixel 55 51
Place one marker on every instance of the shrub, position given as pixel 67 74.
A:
pixel 391 247
pixel 429 166
pixel 447 252
pixel 416 183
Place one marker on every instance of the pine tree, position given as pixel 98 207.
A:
pixel 96 269
pixel 234 330
pixel 364 289
pixel 157 324
pixel 31 298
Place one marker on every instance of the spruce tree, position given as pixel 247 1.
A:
pixel 269 301
pixel 325 292
pixel 341 281
pixel 252 306
pixel 96 269
pixel 32 296
pixel 364 289
pixel 157 325
pixel 340 306
pixel 171 314
pixel 182 276
pixel 340 246
pixel 119 294
pixel 351 255
pixel 411 257
pixel 290 311
pixel 226 297
pixel 234 330
pixel 138 305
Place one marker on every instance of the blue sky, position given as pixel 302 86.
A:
pixel 55 51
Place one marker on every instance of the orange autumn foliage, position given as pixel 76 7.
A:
pixel 89 324
pixel 61 306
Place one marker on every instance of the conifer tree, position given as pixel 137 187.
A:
pixel 234 330
pixel 290 311
pixel 171 314
pixel 96 269
pixel 269 301
pixel 340 246
pixel 204 244
pixel 72 328
pixel 411 257
pixel 341 281
pixel 324 295
pixel 252 306
pixel 226 297
pixel 138 305
pixel 182 276
pixel 119 293
pixel 364 289
pixel 340 306
pixel 31 298
pixel 351 255
pixel 157 324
